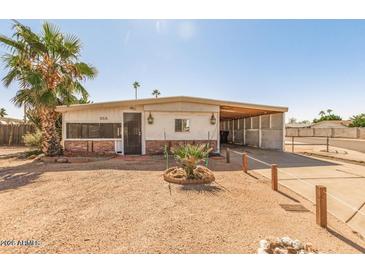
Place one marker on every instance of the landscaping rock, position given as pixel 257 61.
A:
pixel 284 245
pixel 62 160
pixel 39 157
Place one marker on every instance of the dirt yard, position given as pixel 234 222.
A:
pixel 124 206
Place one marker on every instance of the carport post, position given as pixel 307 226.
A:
pixel 228 156
pixel 321 206
pixel 274 177
pixel 244 162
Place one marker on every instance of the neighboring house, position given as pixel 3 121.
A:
pixel 145 126
pixel 298 125
pixel 331 124
pixel 10 121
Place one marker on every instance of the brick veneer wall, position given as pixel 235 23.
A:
pixel 157 146
pixel 84 147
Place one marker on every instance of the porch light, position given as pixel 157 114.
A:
pixel 150 119
pixel 213 120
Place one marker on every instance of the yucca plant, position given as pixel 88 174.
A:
pixel 189 156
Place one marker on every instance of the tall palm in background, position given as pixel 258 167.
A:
pixel 2 112
pixel 47 69
pixel 156 93
pixel 136 85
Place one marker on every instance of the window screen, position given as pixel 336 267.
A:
pixel 92 130
pixel 182 125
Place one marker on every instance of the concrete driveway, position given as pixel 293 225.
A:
pixel 345 182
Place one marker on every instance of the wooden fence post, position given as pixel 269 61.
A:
pixel 244 162
pixel 11 134
pixel 274 177
pixel 228 155
pixel 321 205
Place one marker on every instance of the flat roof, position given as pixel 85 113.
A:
pixel 228 109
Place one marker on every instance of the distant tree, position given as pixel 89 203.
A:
pixel 305 122
pixel 358 120
pixel 136 85
pixel 322 113
pixel 3 112
pixel 156 93
pixel 327 116
pixel 292 120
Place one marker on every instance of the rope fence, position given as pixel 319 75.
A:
pixel 321 191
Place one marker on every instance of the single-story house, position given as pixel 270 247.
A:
pixel 298 125
pixel 145 126
pixel 332 124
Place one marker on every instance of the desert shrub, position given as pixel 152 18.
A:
pixel 33 139
pixel 189 156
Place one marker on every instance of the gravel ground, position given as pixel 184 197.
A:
pixel 124 206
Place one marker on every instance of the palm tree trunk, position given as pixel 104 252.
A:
pixel 135 93
pixel 50 138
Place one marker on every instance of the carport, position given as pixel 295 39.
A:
pixel 259 126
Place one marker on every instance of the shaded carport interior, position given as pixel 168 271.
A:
pixel 253 125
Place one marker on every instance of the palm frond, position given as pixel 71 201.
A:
pixel 81 90
pixel 10 77
pixel 13 44
pixel 23 96
pixel 85 70
pixel 71 46
pixel 28 37
pixel 46 67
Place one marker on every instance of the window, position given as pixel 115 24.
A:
pixel 182 125
pixel 92 130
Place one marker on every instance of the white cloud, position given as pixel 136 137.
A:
pixel 186 30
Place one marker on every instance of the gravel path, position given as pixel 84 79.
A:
pixel 119 206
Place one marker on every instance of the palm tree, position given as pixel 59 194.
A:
pixel 136 85
pixel 329 111
pixel 156 93
pixel 3 112
pixel 322 113
pixel 47 69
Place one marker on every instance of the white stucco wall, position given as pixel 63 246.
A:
pixel 165 122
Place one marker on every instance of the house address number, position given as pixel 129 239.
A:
pixel 103 118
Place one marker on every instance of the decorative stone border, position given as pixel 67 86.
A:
pixel 184 181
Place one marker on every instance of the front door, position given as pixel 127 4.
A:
pixel 132 133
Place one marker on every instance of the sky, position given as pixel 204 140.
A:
pixel 306 65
